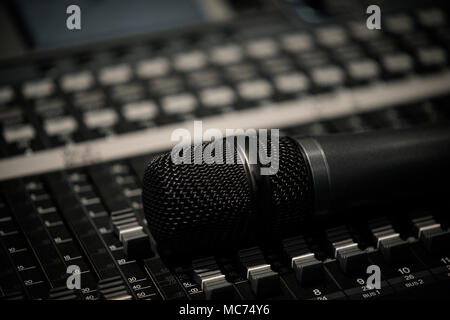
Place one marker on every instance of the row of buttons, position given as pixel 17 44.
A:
pixel 293 82
pixel 398 260
pixel 140 112
pixel 261 48
pixel 121 74
pixel 70 224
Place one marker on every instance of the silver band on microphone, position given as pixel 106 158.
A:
pixel 320 173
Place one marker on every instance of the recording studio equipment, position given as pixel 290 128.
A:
pixel 83 112
pixel 220 205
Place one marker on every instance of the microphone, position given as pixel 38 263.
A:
pixel 203 208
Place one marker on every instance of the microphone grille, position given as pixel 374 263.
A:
pixel 292 190
pixel 196 205
pixel 196 208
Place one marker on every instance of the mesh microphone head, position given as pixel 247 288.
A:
pixel 292 193
pixel 206 207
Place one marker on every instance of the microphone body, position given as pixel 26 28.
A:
pixel 396 166
pixel 201 208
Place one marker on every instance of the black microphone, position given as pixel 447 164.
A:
pixel 199 208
